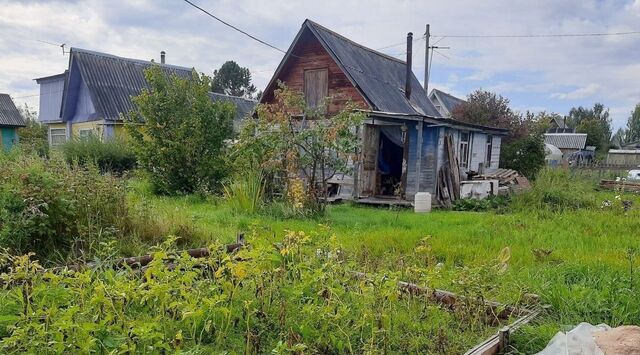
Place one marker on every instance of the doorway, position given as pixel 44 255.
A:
pixel 390 154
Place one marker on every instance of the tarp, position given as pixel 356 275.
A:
pixel 577 341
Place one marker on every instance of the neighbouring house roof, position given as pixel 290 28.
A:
pixel 244 107
pixel 448 101
pixel 379 78
pixel 51 77
pixel 566 140
pixel 111 80
pixel 9 114
pixel 624 151
pixel 560 122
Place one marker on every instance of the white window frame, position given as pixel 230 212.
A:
pixel 61 132
pixel 489 147
pixel 85 133
pixel 464 149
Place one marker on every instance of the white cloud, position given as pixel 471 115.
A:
pixel 602 69
pixel 580 93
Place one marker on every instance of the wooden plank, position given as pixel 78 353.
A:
pixel 491 345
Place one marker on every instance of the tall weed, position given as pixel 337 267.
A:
pixel 245 192
pixel 112 155
pixel 556 190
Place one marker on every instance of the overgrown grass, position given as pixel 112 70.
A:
pixel 113 155
pixel 577 256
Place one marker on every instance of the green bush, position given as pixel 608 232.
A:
pixel 179 134
pixel 245 192
pixel 525 155
pixel 556 190
pixel 46 206
pixel 490 203
pixel 112 155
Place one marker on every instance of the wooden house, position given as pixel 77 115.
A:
pixel 402 140
pixel 10 121
pixel 91 96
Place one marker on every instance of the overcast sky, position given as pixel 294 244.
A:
pixel 552 74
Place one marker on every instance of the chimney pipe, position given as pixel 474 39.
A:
pixel 407 85
pixel 162 55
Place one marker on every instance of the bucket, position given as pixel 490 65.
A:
pixel 422 202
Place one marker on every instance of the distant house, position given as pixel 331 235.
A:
pixel 625 157
pixel 444 103
pixel 10 121
pixel 559 125
pixel 567 142
pixel 403 128
pixel 91 96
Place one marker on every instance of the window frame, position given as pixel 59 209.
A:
pixel 85 133
pixel 464 149
pixel 62 132
pixel 489 148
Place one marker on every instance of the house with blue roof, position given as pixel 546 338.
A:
pixel 404 137
pixel 10 121
pixel 93 94
pixel 444 102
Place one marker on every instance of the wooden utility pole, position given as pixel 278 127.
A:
pixel 427 34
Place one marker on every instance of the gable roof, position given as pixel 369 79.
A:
pixel 379 78
pixel 111 80
pixel 9 114
pixel 566 140
pixel 448 101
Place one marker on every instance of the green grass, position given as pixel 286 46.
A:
pixel 588 275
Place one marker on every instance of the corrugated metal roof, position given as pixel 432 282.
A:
pixel 244 107
pixel 9 114
pixel 380 77
pixel 566 140
pixel 449 101
pixel 112 80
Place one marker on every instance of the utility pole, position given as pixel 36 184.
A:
pixel 427 34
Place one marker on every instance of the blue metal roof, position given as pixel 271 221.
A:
pixel 9 114
pixel 111 80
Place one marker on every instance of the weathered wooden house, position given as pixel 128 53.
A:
pixel 96 89
pixel 403 136
pixel 10 121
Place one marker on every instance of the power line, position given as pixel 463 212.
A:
pixel 34 95
pixel 234 27
pixel 399 43
pixel 551 35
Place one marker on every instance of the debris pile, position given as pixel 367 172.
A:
pixel 630 186
pixel 508 179
pixel 448 184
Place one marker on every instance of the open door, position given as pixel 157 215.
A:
pixel 370 141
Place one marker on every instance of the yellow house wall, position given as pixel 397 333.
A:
pixel 96 126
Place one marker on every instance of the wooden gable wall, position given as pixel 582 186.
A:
pixel 309 54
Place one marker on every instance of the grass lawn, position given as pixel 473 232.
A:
pixel 580 262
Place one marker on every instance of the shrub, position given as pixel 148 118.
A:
pixel 113 155
pixel 179 133
pixel 525 155
pixel 555 190
pixel 245 192
pixel 47 205
pixel 490 203
pixel 33 136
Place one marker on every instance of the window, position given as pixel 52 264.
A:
pixel 85 133
pixel 465 137
pixel 489 150
pixel 316 87
pixel 57 136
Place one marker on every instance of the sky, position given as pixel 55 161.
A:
pixel 536 74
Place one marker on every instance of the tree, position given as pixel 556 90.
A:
pixel 181 141
pixel 490 109
pixel 33 137
pixel 526 155
pixel 232 79
pixel 595 122
pixel 303 151
pixel 633 125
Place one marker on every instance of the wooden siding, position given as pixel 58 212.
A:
pixel 495 152
pixel 478 153
pixel 309 55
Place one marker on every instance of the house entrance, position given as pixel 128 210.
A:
pixel 390 152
